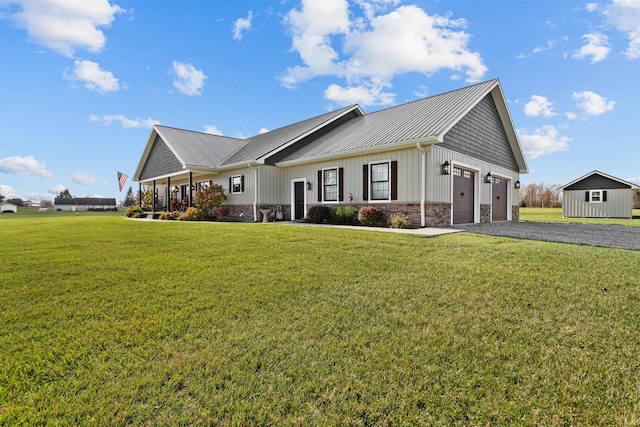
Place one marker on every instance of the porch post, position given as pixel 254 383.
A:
pixel 189 189
pixel 153 203
pixel 168 200
pixel 140 195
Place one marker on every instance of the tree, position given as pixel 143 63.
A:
pixel 1 195
pixel 636 199
pixel 16 201
pixel 147 199
pixel 64 194
pixel 540 195
pixel 46 203
pixel 129 199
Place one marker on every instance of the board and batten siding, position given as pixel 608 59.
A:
pixel 408 177
pixel 439 186
pixel 618 204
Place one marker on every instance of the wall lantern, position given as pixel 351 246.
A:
pixel 446 168
pixel 487 178
pixel 517 184
pixel 308 185
pixel 175 189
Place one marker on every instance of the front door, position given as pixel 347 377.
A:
pixel 499 202
pixel 463 197
pixel 298 199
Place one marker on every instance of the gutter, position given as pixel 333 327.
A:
pixel 255 191
pixel 423 219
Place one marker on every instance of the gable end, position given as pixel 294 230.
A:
pixel 480 134
pixel 597 182
pixel 161 161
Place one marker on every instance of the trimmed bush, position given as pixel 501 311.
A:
pixel 318 214
pixel 156 215
pixel 221 213
pixel 134 211
pixel 193 214
pixel 169 216
pixel 398 221
pixel 342 215
pixel 370 215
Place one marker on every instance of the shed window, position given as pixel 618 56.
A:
pixel 595 196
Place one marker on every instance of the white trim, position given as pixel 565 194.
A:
pixel 591 196
pixel 232 184
pixel 293 197
pixel 370 177
pixel 337 200
pixel 476 188
pixel 509 180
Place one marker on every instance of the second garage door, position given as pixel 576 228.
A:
pixel 463 194
pixel 499 200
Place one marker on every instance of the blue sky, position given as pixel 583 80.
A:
pixel 81 83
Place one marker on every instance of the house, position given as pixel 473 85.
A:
pixel 598 195
pixel 84 204
pixel 446 159
pixel 8 207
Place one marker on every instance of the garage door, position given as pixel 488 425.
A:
pixel 463 187
pixel 499 200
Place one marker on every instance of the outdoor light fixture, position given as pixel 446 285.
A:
pixel 488 178
pixel 446 168
pixel 517 184
pixel 175 189
pixel 308 185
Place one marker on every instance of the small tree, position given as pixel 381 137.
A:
pixel 636 199
pixel 46 203
pixel 129 199
pixel 147 199
pixel 211 197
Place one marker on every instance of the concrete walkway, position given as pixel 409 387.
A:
pixel 425 232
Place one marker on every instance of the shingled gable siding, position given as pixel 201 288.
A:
pixel 480 134
pixel 309 139
pixel 160 161
pixel 597 182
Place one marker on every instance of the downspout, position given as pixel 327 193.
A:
pixel 255 191
pixel 423 219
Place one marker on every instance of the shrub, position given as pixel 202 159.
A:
pixel 222 213
pixel 370 215
pixel 342 215
pixel 211 197
pixel 193 214
pixel 169 216
pixel 318 214
pixel 398 221
pixel 156 215
pixel 523 204
pixel 134 211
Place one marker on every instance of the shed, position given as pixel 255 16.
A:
pixel 598 195
pixel 8 207
pixel 85 204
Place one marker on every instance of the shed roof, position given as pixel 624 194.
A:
pixel 596 172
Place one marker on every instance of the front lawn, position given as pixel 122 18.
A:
pixel 105 321
pixel 555 215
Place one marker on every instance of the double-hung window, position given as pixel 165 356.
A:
pixel 330 185
pixel 595 196
pixel 380 181
pixel 236 184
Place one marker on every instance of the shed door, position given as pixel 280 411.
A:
pixel 499 200
pixel 463 186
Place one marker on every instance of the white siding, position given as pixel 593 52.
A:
pixel 618 204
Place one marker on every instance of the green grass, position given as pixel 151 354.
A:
pixel 555 215
pixel 105 321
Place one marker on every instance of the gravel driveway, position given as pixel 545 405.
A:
pixel 606 235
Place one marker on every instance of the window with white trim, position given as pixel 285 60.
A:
pixel 330 185
pixel 596 196
pixel 380 181
pixel 236 184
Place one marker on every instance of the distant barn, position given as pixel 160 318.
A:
pixel 76 204
pixel 598 195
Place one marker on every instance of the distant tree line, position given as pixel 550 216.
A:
pixel 636 199
pixel 541 196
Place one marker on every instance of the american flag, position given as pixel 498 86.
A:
pixel 122 178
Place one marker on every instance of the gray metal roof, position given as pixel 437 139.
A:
pixel 263 144
pixel 197 148
pixel 428 117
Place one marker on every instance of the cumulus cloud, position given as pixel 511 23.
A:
pixel 634 180
pixel 86 179
pixel 624 16
pixel 94 78
pixel 136 122
pixel 57 189
pixel 369 52
pixel 550 44
pixel 8 191
pixel 66 26
pixel 25 166
pixel 544 140
pixel 592 103
pixel 189 80
pixel 571 115
pixel 538 106
pixel 240 25
pixel 263 130
pixel 213 130
pixel 597 47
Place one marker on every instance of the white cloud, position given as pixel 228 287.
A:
pixel 240 25
pixel 358 95
pixel 57 189
pixel 571 115
pixel 550 44
pixel 624 16
pixel 93 77
pixel 544 140
pixel 136 122
pixel 421 91
pixel 213 130
pixel 25 166
pixel 591 7
pixel 8 192
pixel 597 47
pixel 263 130
pixel 538 106
pixel 188 81
pixel 65 26
pixel 369 52
pixel 592 103
pixel 634 180
pixel 86 179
